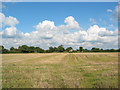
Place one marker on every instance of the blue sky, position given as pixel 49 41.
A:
pixel 60 0
pixel 30 14
pixel 44 24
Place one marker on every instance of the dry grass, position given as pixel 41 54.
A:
pixel 60 70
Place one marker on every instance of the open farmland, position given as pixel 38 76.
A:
pixel 60 70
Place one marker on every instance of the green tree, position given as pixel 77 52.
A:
pixel 81 49
pixel 31 49
pixel 3 50
pixel 61 48
pixel 12 48
pixel 51 49
pixel 86 50
pixel 101 50
pixel 95 49
pixel 55 49
pixel 68 49
pixel 112 50
pixel 24 49
pixel 118 50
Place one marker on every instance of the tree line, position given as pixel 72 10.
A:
pixel 32 49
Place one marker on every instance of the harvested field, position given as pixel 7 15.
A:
pixel 60 70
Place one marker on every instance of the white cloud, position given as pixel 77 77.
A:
pixel 47 34
pixel 2 17
pixel 109 10
pixel 27 34
pixel 11 32
pixel 10 21
pixel 71 23
pixel 45 24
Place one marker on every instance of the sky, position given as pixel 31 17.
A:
pixel 44 24
pixel 60 0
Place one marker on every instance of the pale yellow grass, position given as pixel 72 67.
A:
pixel 60 70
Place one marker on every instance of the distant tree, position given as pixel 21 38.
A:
pixel 85 50
pixel 68 49
pixel 38 50
pixel 41 50
pixel 51 49
pixel 95 49
pixel 106 50
pixel 112 50
pixel 55 49
pixel 81 49
pixel 101 50
pixel 61 48
pixel 118 50
pixel 46 51
pixel 12 48
pixel 31 49
pixel 3 50
pixel 24 49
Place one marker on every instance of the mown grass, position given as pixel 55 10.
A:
pixel 60 70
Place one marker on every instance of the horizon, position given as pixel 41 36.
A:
pixel 63 47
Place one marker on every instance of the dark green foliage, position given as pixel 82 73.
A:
pixel 32 49
pixel 39 50
pixel 51 49
pixel 24 49
pixel 55 49
pixel 3 50
pixel 86 50
pixel 61 48
pixel 81 49
pixel 95 50
pixel 1 47
pixel 118 50
pixel 68 49
pixel 12 48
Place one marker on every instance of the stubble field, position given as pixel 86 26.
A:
pixel 60 70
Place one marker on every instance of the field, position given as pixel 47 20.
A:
pixel 60 70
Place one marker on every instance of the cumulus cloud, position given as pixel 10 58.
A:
pixel 47 34
pixel 8 21
pixel 45 24
pixel 71 23
pixel 11 32
pixel 11 21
